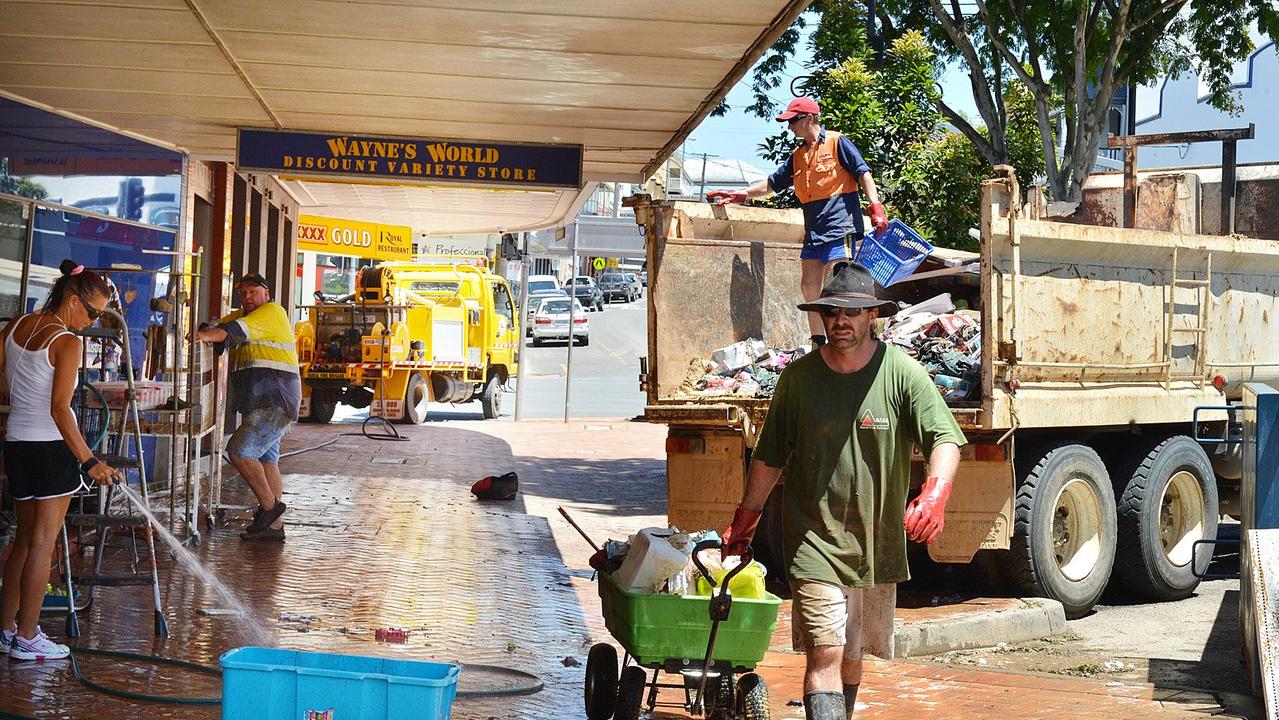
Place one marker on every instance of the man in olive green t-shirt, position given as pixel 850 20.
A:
pixel 843 423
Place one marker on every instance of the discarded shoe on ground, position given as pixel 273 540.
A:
pixel 497 487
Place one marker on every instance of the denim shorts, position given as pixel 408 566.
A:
pixel 838 249
pixel 258 437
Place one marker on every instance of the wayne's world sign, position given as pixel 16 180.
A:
pixel 410 160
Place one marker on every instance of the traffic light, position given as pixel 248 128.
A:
pixel 132 197
pixel 510 247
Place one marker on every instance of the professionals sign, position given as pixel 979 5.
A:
pixel 409 160
pixel 334 236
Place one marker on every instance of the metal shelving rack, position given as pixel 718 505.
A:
pixel 192 370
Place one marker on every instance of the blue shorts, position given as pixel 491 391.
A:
pixel 828 251
pixel 258 437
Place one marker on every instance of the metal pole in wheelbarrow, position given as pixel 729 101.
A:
pixel 719 608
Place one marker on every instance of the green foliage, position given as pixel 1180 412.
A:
pixel 1034 41
pixel 927 176
pixel 19 185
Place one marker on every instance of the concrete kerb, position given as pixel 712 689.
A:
pixel 1036 618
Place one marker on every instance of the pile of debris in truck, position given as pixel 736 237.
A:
pixel 946 340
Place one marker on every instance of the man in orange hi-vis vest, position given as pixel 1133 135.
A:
pixel 825 171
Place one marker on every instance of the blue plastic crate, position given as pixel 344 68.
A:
pixel 271 684
pixel 894 253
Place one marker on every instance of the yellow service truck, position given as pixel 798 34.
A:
pixel 410 334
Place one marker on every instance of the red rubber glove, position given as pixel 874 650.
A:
pixel 737 538
pixel 925 514
pixel 724 197
pixel 878 217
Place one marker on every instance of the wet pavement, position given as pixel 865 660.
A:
pixel 386 534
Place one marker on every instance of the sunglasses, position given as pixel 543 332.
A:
pixel 830 312
pixel 93 312
pixel 796 119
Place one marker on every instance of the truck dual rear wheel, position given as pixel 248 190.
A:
pixel 323 406
pixel 1167 498
pixel 1064 526
pixel 416 397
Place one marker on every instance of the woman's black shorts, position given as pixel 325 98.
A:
pixel 40 469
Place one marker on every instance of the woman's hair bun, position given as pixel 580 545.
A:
pixel 66 266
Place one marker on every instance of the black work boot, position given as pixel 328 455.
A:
pixel 850 697
pixel 824 706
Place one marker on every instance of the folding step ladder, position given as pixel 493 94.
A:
pixel 106 518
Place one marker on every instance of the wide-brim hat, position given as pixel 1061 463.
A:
pixel 850 285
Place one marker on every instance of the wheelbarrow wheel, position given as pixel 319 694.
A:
pixel 752 698
pixel 601 682
pixel 722 693
pixel 630 693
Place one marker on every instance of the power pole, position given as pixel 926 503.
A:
pixel 701 192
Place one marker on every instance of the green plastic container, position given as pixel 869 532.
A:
pixel 657 628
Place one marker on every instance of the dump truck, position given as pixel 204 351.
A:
pixel 409 335
pixel 1103 350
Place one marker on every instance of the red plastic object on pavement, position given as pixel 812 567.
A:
pixel 395 635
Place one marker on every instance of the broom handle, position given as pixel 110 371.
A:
pixel 578 528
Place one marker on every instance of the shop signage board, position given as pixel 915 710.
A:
pixel 409 160
pixel 336 236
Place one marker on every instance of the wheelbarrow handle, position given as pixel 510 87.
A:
pixel 747 557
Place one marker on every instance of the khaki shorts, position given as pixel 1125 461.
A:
pixel 860 619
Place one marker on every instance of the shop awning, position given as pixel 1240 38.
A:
pixel 627 81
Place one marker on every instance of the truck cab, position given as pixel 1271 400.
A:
pixel 412 333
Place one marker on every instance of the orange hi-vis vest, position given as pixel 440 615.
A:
pixel 817 171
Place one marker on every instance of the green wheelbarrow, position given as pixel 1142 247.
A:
pixel 711 644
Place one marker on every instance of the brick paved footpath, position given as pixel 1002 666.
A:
pixel 384 534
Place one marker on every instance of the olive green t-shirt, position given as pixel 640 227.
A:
pixel 846 441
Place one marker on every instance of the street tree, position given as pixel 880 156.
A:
pixel 1071 55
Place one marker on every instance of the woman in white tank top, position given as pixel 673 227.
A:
pixel 44 452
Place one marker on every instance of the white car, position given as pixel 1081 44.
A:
pixel 551 321
pixel 535 299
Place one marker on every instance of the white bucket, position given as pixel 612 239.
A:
pixel 655 555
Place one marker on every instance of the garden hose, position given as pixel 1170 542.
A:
pixel 534 684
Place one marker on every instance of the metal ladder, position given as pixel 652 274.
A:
pixel 1203 295
pixel 104 518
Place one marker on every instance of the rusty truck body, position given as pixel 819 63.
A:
pixel 1099 344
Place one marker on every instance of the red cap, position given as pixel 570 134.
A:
pixel 797 106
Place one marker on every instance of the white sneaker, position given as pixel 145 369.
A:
pixel 38 648
pixel 6 638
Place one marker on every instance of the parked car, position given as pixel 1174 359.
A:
pixel 551 321
pixel 616 286
pixel 542 282
pixel 636 285
pixel 535 297
pixel 587 292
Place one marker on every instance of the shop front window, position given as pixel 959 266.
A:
pixel 117 251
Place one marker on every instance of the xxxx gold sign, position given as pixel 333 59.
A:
pixel 335 236
pixel 409 160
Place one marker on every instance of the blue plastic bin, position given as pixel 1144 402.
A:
pixel 270 684
pixel 894 253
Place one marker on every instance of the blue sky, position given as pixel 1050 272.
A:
pixel 737 135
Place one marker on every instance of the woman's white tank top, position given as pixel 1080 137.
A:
pixel 30 376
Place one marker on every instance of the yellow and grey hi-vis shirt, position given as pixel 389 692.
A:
pixel 264 359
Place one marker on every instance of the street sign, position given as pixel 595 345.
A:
pixel 598 263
